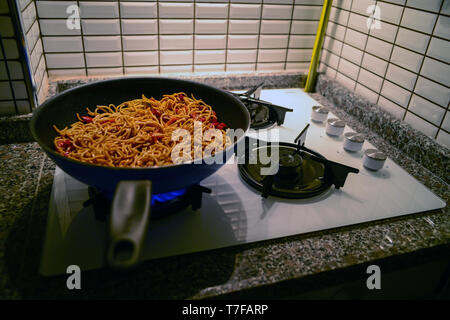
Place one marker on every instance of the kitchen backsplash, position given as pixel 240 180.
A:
pixel 135 37
pixel 398 59
pixel 16 92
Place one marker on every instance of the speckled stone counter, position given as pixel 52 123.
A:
pixel 270 269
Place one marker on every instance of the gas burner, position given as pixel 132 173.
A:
pixel 163 204
pixel 263 114
pixel 302 173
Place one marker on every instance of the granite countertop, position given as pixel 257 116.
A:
pixel 268 269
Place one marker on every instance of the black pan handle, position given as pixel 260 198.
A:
pixel 130 215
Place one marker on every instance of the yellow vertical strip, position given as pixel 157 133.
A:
pixel 312 73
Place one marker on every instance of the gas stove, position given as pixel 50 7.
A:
pixel 263 114
pixel 232 207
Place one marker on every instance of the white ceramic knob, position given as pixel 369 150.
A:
pixel 374 159
pixel 335 127
pixel 319 114
pixel 353 141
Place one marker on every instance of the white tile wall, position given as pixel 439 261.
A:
pixel 426 109
pixel 439 49
pixel 65 60
pixel 271 55
pixel 56 28
pixel 209 56
pixel 100 26
pixel 139 26
pixel 62 44
pixel 178 35
pixel 209 67
pixel 245 11
pixel 141 58
pixel 104 43
pixel 176 57
pixel 110 59
pixel 276 27
pixel 139 43
pixel 437 71
pixel 210 41
pixel 277 12
pixel 240 56
pixel 403 66
pixel 94 9
pixel 401 77
pixel 412 40
pixel 53 9
pixel 211 10
pixel 418 20
pixel 176 26
pixel 406 59
pixel 211 26
pixel 176 10
pixel 243 26
pixel 140 70
pixel 138 10
pixel 280 41
pixel 174 42
pixel 242 41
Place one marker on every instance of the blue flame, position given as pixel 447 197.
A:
pixel 164 197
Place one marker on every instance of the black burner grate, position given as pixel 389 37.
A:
pixel 263 114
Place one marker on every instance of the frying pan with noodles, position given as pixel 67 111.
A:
pixel 131 188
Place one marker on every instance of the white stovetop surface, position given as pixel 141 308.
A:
pixel 234 213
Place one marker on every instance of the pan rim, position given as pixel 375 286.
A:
pixel 38 111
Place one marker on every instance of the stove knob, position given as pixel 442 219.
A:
pixel 374 159
pixel 335 127
pixel 353 141
pixel 319 114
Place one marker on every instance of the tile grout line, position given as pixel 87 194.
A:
pixel 258 36
pixel 227 35
pixel 420 70
pixel 121 37
pixel 390 57
pixel 82 40
pixel 291 20
pixel 159 36
pixel 193 36
pixel 365 47
pixel 343 41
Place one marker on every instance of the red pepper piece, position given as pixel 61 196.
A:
pixel 86 119
pixel 66 145
pixel 172 120
pixel 156 112
pixel 221 126
pixel 110 120
pixel 202 119
pixel 181 97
